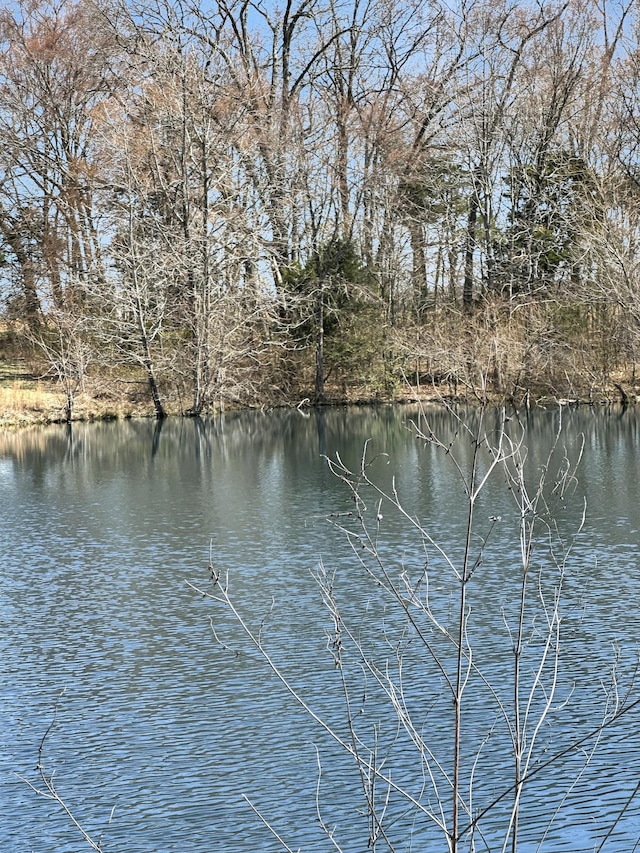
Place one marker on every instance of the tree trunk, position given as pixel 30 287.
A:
pixel 467 288
pixel 319 400
pixel 416 235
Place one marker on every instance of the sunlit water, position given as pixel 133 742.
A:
pixel 161 735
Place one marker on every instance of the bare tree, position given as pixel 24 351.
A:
pixel 425 634
pixel 50 792
pixel 66 343
pixel 503 38
pixel 57 69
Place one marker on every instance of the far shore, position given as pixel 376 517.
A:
pixel 30 401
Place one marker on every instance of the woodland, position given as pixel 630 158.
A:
pixel 252 203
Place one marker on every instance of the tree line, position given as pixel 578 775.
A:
pixel 254 202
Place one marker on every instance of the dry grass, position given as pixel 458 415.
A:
pixel 28 402
pixel 28 396
pixel 23 402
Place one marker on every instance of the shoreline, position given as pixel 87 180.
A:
pixel 37 402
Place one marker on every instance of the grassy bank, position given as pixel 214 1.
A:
pixel 30 401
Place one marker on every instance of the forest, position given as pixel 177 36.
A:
pixel 260 203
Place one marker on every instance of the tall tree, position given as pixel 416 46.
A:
pixel 504 35
pixel 183 205
pixel 550 188
pixel 57 68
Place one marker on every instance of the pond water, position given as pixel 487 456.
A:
pixel 163 722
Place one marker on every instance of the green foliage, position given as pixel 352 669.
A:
pixel 359 355
pixel 337 259
pixel 432 191
pixel 552 203
pixel 570 320
pixel 356 357
pixel 336 274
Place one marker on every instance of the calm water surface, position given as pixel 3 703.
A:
pixel 161 733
